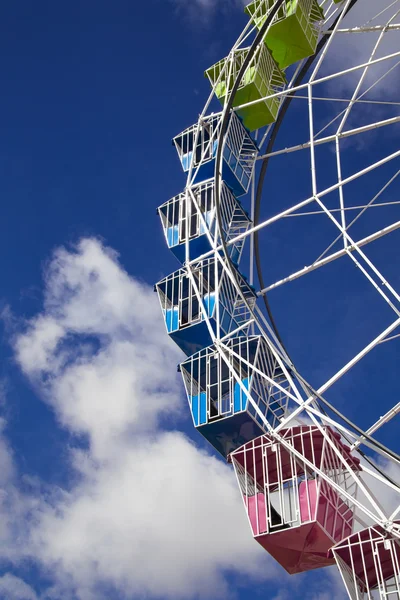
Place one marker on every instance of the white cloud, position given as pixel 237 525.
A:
pixel 15 508
pixel 202 10
pixel 150 513
pixel 13 588
pixel 98 353
pixel 351 49
pixel 388 498
pixel 162 520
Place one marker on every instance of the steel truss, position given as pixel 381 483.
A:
pixel 244 368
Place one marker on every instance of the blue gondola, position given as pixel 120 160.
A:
pixel 185 316
pixel 188 216
pixel 219 401
pixel 197 149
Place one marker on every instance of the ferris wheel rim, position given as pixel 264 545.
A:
pixel 227 107
pixel 219 375
pixel 217 178
pixel 287 101
pixel 368 440
pixel 261 178
pixel 258 198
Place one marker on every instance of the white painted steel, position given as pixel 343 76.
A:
pixel 298 400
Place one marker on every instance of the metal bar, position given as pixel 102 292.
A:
pixel 374 28
pixel 305 202
pixel 393 412
pixel 333 210
pixel 332 138
pixel 359 356
pixel 343 252
pixel 303 86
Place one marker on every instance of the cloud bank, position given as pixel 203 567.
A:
pixel 146 513
pixel 13 588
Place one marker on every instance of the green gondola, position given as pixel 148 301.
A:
pixel 293 34
pixel 261 79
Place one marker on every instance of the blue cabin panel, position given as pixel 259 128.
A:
pixel 232 430
pixel 239 397
pixel 199 408
pixel 200 246
pixel 229 412
pixel 232 174
pixel 192 339
pixel 238 186
pixel 172 319
pixel 234 254
pixel 235 427
pixel 229 433
pixel 197 247
pixel 209 303
pixel 173 236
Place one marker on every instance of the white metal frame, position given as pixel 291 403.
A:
pixel 252 361
pixel 305 401
pixel 369 563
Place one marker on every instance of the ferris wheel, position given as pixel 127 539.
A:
pixel 293 178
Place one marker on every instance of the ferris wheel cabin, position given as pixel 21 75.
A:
pixel 262 78
pixel 369 562
pixel 293 34
pixel 294 513
pixel 218 391
pixel 185 317
pixel 189 215
pixel 197 149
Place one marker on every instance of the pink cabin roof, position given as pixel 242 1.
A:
pixel 357 551
pixel 306 439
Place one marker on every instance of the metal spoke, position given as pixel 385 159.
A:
pixel 334 137
pixel 333 210
pixel 332 257
pixel 242 365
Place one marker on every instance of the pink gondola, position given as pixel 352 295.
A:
pixel 295 514
pixel 369 560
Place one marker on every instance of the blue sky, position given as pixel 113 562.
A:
pixel 106 490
